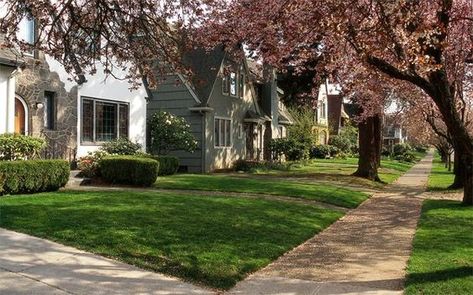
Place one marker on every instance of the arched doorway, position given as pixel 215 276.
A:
pixel 21 116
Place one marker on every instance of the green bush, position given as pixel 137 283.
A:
pixel 34 176
pixel 408 156
pixel 321 151
pixel 170 133
pixel 342 143
pixel 133 170
pixel 19 147
pixel 2 183
pixel 168 165
pixel 401 148
pixel 121 146
pixel 292 149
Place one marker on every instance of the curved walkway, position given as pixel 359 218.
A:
pixel 365 252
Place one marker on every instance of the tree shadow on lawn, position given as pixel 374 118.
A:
pixel 212 241
pixel 440 275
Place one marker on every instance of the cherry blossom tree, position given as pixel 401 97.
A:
pixel 427 44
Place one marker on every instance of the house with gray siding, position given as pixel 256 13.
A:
pixel 229 117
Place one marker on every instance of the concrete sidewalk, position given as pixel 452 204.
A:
pixel 365 252
pixel 29 265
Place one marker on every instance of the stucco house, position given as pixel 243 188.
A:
pixel 38 98
pixel 232 115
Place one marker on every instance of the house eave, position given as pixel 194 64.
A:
pixel 201 109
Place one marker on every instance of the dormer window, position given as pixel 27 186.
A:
pixel 233 83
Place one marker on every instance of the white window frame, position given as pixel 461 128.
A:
pixel 235 74
pixel 223 133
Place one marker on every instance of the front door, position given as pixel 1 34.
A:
pixel 20 117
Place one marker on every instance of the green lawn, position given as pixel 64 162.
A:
pixel 214 241
pixel 246 184
pixel 390 169
pixel 440 178
pixel 442 258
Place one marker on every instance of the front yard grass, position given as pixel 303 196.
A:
pixel 214 241
pixel 442 257
pixel 311 191
pixel 440 178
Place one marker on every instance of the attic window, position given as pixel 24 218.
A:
pixel 233 84
pixel 241 84
pixel 225 85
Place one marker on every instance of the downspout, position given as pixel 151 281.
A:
pixel 204 137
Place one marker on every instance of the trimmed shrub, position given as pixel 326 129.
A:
pixel 2 183
pixel 168 165
pixel 33 176
pixel 19 147
pixel 121 146
pixel 129 170
pixel 321 151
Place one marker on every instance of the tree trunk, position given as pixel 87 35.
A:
pixel 458 170
pixel 369 151
pixel 378 137
pixel 467 159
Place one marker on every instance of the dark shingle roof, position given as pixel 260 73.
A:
pixel 205 67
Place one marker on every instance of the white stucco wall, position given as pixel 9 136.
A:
pixel 108 88
pixel 7 99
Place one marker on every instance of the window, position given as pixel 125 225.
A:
pixel 49 110
pixel 27 32
pixel 104 120
pixel 225 85
pixel 222 132
pixel 240 131
pixel 233 84
pixel 323 113
pixel 241 84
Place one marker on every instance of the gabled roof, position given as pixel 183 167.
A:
pixel 205 67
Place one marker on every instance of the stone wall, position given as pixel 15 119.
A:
pixel 35 79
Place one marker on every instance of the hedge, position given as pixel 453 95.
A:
pixel 168 165
pixel 33 176
pixel 133 170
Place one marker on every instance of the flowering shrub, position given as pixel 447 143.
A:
pixel 89 165
pixel 121 146
pixel 169 133
pixel 19 147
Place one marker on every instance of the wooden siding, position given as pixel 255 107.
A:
pixel 176 99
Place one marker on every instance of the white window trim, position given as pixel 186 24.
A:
pixel 94 136
pixel 223 119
